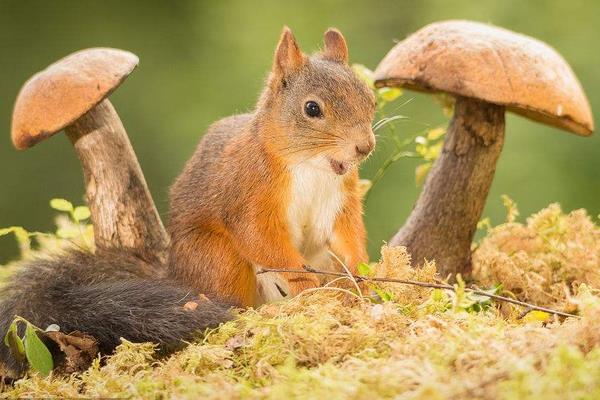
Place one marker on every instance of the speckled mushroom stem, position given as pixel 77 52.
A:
pixel 444 219
pixel 122 209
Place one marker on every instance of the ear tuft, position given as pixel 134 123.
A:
pixel 288 56
pixel 335 46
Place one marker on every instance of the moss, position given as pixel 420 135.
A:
pixel 274 352
pixel 424 344
pixel 543 260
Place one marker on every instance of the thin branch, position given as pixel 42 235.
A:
pixel 348 273
pixel 524 313
pixel 310 270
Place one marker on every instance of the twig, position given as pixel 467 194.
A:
pixel 524 313
pixel 348 273
pixel 310 270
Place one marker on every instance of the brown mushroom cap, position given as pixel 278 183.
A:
pixel 57 96
pixel 496 65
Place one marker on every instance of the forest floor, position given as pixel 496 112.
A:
pixel 421 343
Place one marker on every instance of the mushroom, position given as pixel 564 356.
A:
pixel 71 95
pixel 488 70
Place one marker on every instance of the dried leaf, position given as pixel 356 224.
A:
pixel 78 350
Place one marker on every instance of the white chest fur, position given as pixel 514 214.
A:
pixel 317 198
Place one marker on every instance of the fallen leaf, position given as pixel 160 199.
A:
pixel 77 351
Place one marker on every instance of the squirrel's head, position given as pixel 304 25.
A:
pixel 320 110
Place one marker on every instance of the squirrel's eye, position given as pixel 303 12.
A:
pixel 312 109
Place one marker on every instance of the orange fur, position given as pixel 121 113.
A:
pixel 349 241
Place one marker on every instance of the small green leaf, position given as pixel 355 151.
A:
pixel 22 236
pixel 17 230
pixel 389 94
pixel 68 232
pixel 6 231
pixel 81 213
pixel 61 205
pixel 365 269
pixel 439 295
pixel 14 342
pixel 23 239
pixel 383 295
pixel 37 353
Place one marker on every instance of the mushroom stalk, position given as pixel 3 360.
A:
pixel 122 209
pixel 444 219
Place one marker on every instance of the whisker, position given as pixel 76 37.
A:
pixel 384 121
pixel 315 143
pixel 319 138
pixel 327 133
pixel 309 146
pixel 321 148
pixel 321 131
pixel 403 104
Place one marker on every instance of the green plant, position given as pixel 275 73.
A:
pixel 23 238
pixel 368 270
pixel 71 226
pixel 471 302
pixel 29 347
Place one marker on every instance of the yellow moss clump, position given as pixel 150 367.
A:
pixel 544 260
pixel 395 263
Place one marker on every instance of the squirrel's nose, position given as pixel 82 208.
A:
pixel 365 148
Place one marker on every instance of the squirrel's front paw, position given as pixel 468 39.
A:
pixel 297 282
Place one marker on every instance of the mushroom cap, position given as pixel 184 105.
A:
pixel 57 96
pixel 492 64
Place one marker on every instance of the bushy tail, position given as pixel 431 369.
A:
pixel 108 297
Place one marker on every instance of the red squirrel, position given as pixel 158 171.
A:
pixel 275 188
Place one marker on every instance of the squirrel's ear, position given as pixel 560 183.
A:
pixel 335 46
pixel 288 56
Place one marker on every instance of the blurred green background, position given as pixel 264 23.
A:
pixel 202 60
